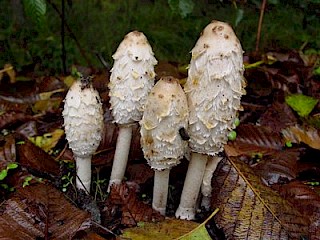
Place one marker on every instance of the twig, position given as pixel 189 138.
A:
pixel 6 69
pixel 263 6
pixel 63 53
pixel 82 52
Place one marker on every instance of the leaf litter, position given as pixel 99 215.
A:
pixel 258 188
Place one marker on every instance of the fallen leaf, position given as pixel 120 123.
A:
pixel 35 158
pixel 308 135
pixel 48 141
pixel 35 212
pixel 302 104
pixel 133 210
pixel 251 210
pixel 165 230
pixel 11 72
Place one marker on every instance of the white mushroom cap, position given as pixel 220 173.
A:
pixel 132 78
pixel 214 87
pixel 166 112
pixel 83 118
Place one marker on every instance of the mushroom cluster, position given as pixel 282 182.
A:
pixel 131 80
pixel 214 88
pixel 166 113
pixel 83 124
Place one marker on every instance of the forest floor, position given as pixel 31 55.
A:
pixel 267 186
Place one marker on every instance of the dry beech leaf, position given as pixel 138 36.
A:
pixel 254 139
pixel 10 118
pixel 273 164
pixel 37 159
pixel 41 212
pixel 278 116
pixel 133 210
pixel 308 135
pixel 251 210
pixel 279 166
pixel 307 200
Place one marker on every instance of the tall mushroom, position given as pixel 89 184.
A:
pixel 214 88
pixel 132 78
pixel 166 114
pixel 83 123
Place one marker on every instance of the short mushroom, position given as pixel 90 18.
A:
pixel 83 124
pixel 131 79
pixel 214 88
pixel 166 114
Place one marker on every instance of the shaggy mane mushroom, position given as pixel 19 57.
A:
pixel 214 88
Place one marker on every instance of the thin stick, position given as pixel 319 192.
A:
pixel 263 6
pixel 82 52
pixel 63 50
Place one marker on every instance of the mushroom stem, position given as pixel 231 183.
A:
pixel 160 190
pixel 206 188
pixel 121 155
pixel 191 188
pixel 83 180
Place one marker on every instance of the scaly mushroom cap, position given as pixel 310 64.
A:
pixel 214 87
pixel 83 118
pixel 166 112
pixel 132 78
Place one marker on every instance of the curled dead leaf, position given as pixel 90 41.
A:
pixel 306 134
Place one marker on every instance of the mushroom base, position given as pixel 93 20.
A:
pixel 191 188
pixel 160 190
pixel 83 180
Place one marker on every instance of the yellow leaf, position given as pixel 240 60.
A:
pixel 8 68
pixel 200 232
pixel 47 95
pixel 48 141
pixel 11 72
pixel 169 229
pixel 47 104
pixel 69 80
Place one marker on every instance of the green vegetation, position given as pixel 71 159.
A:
pixel 172 27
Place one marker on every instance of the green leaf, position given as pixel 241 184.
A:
pixel 316 71
pixel 3 174
pixel 36 10
pixel 239 16
pixel 200 232
pixel 12 166
pixel 302 104
pixel 183 7
pixel 186 7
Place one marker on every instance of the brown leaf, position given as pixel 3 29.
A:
pixel 279 166
pixel 139 173
pixel 41 211
pixel 306 199
pixel 254 139
pixel 10 106
pixel 278 116
pixel 133 210
pixel 308 135
pixel 251 210
pixel 35 158
pixel 10 118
